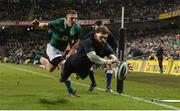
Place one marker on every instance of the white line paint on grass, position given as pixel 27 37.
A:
pixel 101 89
pixel 135 98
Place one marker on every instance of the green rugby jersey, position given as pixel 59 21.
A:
pixel 62 34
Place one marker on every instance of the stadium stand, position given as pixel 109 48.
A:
pixel 139 43
pixel 88 9
pixel 145 45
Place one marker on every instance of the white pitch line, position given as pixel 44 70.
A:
pixel 133 97
pixel 101 89
pixel 167 101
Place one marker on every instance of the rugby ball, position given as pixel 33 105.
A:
pixel 121 70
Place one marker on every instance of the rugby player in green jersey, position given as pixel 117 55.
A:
pixel 65 32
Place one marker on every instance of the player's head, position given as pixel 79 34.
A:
pixel 71 17
pixel 101 34
pixel 97 24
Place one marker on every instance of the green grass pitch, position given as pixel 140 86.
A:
pixel 27 87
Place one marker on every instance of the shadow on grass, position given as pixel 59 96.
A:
pixel 53 102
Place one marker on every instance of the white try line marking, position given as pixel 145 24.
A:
pixel 101 89
pixel 167 101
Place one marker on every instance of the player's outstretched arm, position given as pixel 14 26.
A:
pixel 99 60
pixel 36 23
pixel 114 59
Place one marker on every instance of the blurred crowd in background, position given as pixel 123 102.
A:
pixel 23 47
pixel 87 9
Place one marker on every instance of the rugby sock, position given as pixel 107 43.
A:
pixel 91 76
pixel 69 86
pixel 108 82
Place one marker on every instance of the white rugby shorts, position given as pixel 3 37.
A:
pixel 52 52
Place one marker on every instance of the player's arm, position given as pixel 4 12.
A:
pixel 71 49
pixel 112 56
pixel 36 23
pixel 77 36
pixel 74 46
pixel 43 25
pixel 99 60
pixel 76 43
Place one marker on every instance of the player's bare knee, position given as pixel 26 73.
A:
pixel 50 68
pixel 43 60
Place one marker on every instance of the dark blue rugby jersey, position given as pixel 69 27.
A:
pixel 80 61
pixel 111 40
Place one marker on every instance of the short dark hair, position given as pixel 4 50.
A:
pixel 71 11
pixel 103 29
pixel 99 22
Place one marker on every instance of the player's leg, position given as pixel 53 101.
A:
pixel 71 91
pixel 109 73
pixel 93 81
pixel 47 65
pixel 108 82
pixel 61 64
pixel 55 57
pixel 65 73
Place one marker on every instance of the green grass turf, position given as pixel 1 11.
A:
pixel 28 87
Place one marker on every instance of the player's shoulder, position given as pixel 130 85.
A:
pixel 89 35
pixel 86 41
pixel 58 21
pixel 111 36
pixel 61 19
pixel 77 25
